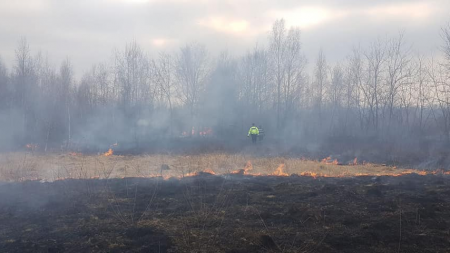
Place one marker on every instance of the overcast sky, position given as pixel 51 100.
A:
pixel 87 31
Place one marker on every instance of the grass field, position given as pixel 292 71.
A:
pixel 23 166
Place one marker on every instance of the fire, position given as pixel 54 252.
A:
pixel 206 131
pixel 280 171
pixel 309 174
pixel 246 170
pixel 110 152
pixel 248 167
pixel 31 146
pixel 192 174
pixel 209 171
pixel 329 161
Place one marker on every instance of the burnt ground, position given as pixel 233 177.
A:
pixel 237 213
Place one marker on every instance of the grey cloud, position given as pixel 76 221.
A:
pixel 87 30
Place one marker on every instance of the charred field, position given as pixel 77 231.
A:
pixel 218 203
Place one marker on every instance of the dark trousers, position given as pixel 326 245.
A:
pixel 254 137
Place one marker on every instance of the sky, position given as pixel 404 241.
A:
pixel 88 31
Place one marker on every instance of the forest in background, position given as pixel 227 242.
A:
pixel 382 96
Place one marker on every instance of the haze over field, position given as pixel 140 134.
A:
pixel 349 79
pixel 224 126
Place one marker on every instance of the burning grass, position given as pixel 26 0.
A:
pixel 217 203
pixel 31 166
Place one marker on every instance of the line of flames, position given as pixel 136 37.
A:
pixel 279 172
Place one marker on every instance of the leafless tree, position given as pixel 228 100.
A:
pixel 25 87
pixel 192 72
pixel 164 71
pixel 5 93
pixel 278 52
pixel 398 70
pixel 294 80
pixel 320 82
pixel 438 77
pixel 256 89
pixel 66 82
pixel 132 72
pixel 376 58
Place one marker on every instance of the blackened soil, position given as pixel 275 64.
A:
pixel 236 213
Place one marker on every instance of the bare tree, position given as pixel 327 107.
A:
pixel 320 82
pixel 278 51
pixel 376 58
pixel 294 65
pixel 164 71
pixel 445 35
pixel 132 72
pixel 255 91
pixel 423 94
pixel 336 93
pixel 398 71
pixel 66 82
pixel 438 76
pixel 5 94
pixel 25 88
pixel 192 71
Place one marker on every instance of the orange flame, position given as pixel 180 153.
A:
pixel 110 152
pixel 209 171
pixel 309 174
pixel 280 171
pixel 248 167
pixel 329 161
pixel 246 170
pixel 192 174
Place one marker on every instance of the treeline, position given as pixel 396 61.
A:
pixel 382 91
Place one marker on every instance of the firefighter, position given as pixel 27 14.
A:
pixel 254 132
pixel 261 133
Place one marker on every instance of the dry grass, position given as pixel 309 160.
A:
pixel 22 166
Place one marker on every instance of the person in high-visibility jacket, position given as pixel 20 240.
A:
pixel 254 132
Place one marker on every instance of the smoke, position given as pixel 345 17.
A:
pixel 190 99
pixel 11 129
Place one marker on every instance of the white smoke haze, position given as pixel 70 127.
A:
pixel 144 76
pixel 124 125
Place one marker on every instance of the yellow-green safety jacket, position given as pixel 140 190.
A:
pixel 253 130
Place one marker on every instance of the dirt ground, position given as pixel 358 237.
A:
pixel 234 213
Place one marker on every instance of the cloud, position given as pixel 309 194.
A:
pixel 306 17
pixel 224 25
pixel 401 10
pixel 87 31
